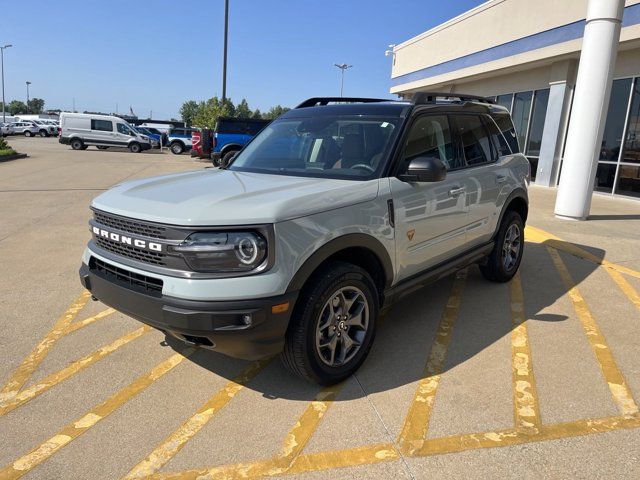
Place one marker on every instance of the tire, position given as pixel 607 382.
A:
pixel 316 329
pixel 135 147
pixel 28 133
pixel 77 144
pixel 43 133
pixel 504 260
pixel 177 148
pixel 101 147
pixel 226 158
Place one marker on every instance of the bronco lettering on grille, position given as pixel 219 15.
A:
pixel 136 242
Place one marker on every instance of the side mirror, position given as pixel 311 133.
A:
pixel 424 169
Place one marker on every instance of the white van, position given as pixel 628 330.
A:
pixel 80 130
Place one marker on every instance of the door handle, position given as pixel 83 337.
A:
pixel 501 178
pixel 455 192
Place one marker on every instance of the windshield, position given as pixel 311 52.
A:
pixel 347 147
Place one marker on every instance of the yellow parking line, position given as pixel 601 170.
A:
pixel 174 442
pixel 416 423
pixel 26 463
pixel 31 362
pixel 294 443
pixel 87 321
pixel 625 286
pixel 52 380
pixel 612 374
pixel 537 235
pixel 525 398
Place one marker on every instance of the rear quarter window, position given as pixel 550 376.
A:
pixel 503 120
pixel 102 125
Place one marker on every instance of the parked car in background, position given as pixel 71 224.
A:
pixel 81 130
pixel 179 140
pixel 6 129
pixel 28 129
pixel 231 134
pixel 44 128
pixel 154 138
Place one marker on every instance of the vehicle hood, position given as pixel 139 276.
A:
pixel 215 197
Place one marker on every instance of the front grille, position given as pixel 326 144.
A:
pixel 154 258
pixel 135 227
pixel 131 280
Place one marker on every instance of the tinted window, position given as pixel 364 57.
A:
pixel 503 120
pixel 521 111
pixel 540 101
pixel 430 136
pixel 476 145
pixel 498 138
pixel 103 125
pixel 122 128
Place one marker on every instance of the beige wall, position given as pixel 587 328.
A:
pixel 493 23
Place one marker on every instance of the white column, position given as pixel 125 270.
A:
pixel 590 103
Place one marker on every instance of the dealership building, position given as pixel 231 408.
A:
pixel 526 55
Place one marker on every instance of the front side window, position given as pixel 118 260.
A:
pixel 102 125
pixel 122 128
pixel 332 146
pixel 474 139
pixel 430 136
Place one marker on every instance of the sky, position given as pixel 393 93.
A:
pixel 153 56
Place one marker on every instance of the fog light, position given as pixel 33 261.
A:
pixel 246 319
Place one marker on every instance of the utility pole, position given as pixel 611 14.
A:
pixel 224 54
pixel 2 68
pixel 342 67
pixel 28 83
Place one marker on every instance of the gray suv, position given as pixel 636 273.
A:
pixel 336 210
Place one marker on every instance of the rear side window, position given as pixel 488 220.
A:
pixel 253 128
pixel 496 135
pixel 103 125
pixel 430 136
pixel 503 120
pixel 230 126
pixel 474 139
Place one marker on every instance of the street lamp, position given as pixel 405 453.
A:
pixel 224 54
pixel 28 83
pixel 2 68
pixel 342 67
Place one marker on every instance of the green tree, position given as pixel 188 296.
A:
pixel 275 112
pixel 188 111
pixel 15 107
pixel 256 113
pixel 36 105
pixel 208 112
pixel 243 110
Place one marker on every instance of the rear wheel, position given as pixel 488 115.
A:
pixel 135 147
pixel 77 144
pixel 228 156
pixel 27 133
pixel 43 133
pixel 505 258
pixel 333 325
pixel 177 148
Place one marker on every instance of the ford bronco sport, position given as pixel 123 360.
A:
pixel 332 213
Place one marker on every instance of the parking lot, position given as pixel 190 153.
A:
pixel 537 377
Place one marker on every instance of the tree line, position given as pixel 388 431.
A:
pixel 204 114
pixel 17 107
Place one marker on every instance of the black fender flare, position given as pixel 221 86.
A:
pixel 230 146
pixel 350 240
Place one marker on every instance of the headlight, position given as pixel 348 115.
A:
pixel 223 252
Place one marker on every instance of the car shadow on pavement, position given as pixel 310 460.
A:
pixel 405 334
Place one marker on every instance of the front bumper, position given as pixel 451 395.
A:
pixel 217 325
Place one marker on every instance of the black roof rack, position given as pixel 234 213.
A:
pixel 320 101
pixel 419 98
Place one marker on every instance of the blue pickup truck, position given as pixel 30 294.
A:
pixel 228 138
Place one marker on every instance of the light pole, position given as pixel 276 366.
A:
pixel 224 54
pixel 342 67
pixel 28 83
pixel 2 68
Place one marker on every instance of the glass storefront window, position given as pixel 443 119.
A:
pixel 631 151
pixel 605 175
pixel 614 125
pixel 520 114
pixel 504 100
pixel 628 180
pixel 540 101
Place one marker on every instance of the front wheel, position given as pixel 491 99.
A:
pixel 43 133
pixel 333 325
pixel 135 148
pixel 27 133
pixel 504 260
